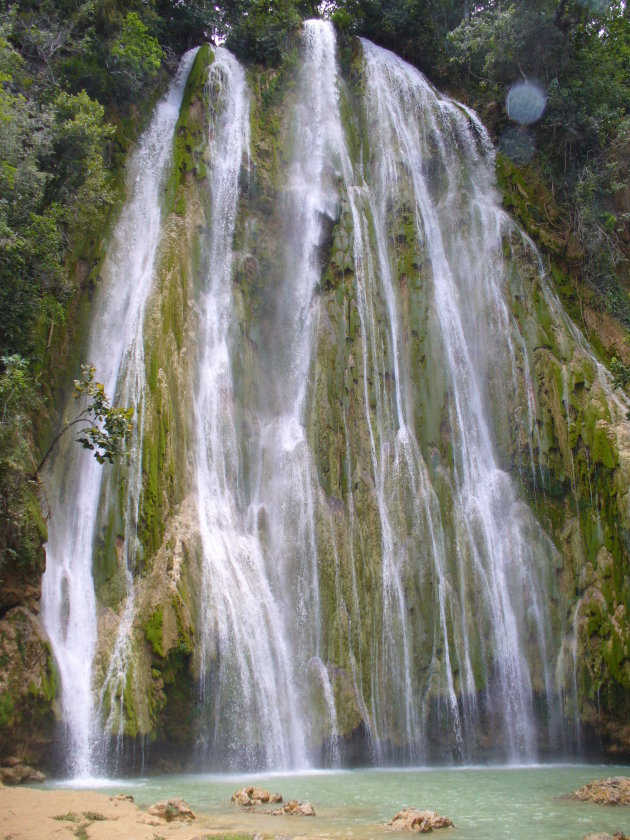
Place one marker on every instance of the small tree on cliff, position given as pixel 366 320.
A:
pixel 102 426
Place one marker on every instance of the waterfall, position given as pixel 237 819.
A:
pixel 262 610
pixel 369 570
pixel 246 650
pixel 431 162
pixel 74 484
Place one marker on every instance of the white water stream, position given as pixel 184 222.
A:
pixel 74 484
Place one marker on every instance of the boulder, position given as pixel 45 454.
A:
pixel 295 809
pixel 411 819
pixel 172 809
pixel 248 796
pixel 618 835
pixel 11 775
pixel 16 774
pixel 614 790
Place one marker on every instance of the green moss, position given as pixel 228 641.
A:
pixel 7 707
pixel 603 450
pixel 153 631
pixel 131 720
pixel 190 131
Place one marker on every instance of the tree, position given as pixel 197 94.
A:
pixel 135 55
pixel 260 30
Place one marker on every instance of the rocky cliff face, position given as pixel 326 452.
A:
pixel 405 656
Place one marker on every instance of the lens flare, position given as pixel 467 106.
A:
pixel 526 102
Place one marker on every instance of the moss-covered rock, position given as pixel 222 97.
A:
pixel 28 687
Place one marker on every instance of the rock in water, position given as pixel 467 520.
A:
pixel 612 791
pixel 411 819
pixel 172 809
pixel 618 835
pixel 295 809
pixel 248 796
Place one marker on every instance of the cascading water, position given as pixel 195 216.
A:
pixel 115 348
pixel 261 609
pixel 430 164
pixel 368 568
pixel 246 665
pixel 286 487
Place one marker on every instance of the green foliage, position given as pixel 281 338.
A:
pixel 260 30
pixel 136 55
pixel 103 427
pixel 415 29
pixel 106 426
pixel 184 24
pixel 621 374
pixel 20 536
pixel 79 137
pixel 229 837
pixel 69 817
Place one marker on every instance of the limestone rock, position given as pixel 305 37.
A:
pixel 122 797
pixel 614 790
pixel 16 774
pixel 411 819
pixel 248 796
pixel 172 809
pixel 294 808
pixel 618 835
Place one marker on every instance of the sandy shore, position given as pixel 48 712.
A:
pixel 28 814
pixel 32 814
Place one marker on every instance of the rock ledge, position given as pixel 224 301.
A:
pixel 614 790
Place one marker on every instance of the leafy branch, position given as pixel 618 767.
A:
pixel 103 427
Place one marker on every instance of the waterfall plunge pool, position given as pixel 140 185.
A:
pixel 520 803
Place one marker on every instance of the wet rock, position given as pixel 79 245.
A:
pixel 248 796
pixel 614 790
pixel 122 797
pixel 172 809
pixel 294 808
pixel 411 819
pixel 28 687
pixel 169 768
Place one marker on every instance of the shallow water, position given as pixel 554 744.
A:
pixel 520 803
